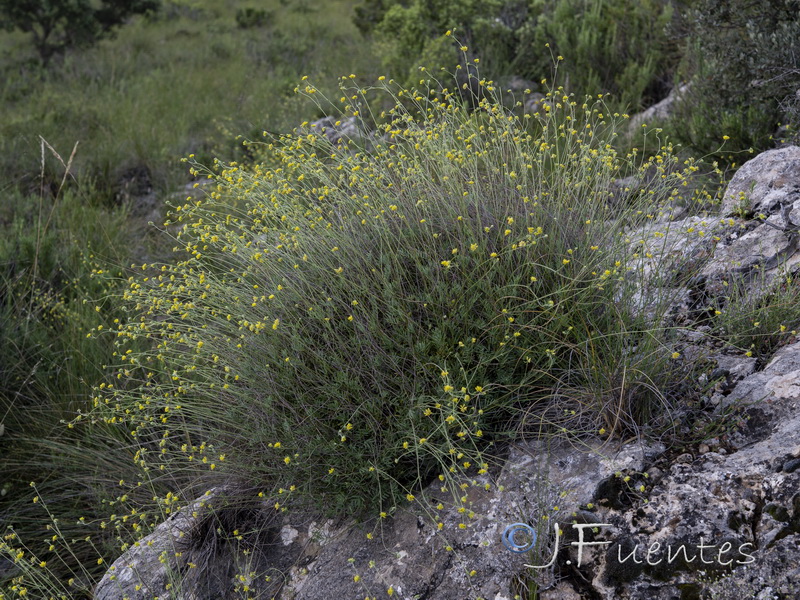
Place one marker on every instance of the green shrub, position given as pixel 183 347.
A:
pixel 252 17
pixel 758 324
pixel 622 48
pixel 348 324
pixel 742 60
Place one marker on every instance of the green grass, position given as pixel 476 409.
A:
pixel 757 324
pixel 165 88
pixel 60 255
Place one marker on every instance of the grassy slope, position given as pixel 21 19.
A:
pixel 169 86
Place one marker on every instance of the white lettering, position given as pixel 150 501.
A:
pixel 722 550
pixel 746 562
pixel 632 554
pixel 670 556
pixel 555 551
pixel 702 547
pixel 654 547
pixel 580 543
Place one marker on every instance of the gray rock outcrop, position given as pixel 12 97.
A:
pixel 658 112
pixel 765 184
pixel 337 130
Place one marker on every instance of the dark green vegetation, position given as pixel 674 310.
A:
pixel 436 288
pixel 746 75
pixel 55 25
pixel 740 55
pixel 620 47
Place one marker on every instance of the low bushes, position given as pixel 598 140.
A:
pixel 742 60
pixel 624 48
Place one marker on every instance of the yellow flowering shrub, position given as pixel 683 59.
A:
pixel 351 319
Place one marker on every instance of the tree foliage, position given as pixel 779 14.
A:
pixel 55 25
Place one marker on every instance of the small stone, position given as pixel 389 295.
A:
pixel 703 449
pixel 790 466
pixel 289 535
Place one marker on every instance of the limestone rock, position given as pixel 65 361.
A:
pixel 769 179
pixel 195 554
pixel 744 499
pixel 337 130
pixel 658 112
pixel 763 248
pixel 662 250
